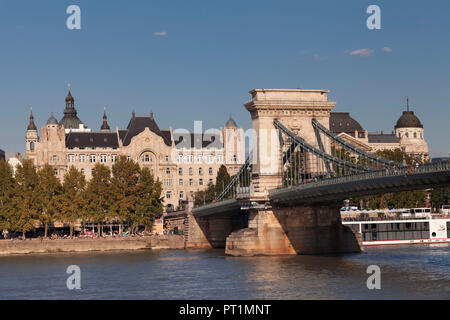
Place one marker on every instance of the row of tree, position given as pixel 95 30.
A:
pixel 126 193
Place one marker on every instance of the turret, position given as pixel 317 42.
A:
pixel 105 126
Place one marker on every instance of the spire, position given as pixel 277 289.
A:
pixel 407 103
pixel 31 125
pixel 133 114
pixel 151 114
pixel 105 126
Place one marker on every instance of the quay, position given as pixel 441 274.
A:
pixel 31 246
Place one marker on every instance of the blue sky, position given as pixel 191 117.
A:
pixel 197 60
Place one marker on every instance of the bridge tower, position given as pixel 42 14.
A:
pixel 295 108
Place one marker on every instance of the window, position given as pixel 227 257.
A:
pixel 56 171
pixel 82 170
pixel 167 170
pixel 415 134
pixel 219 158
pixel 191 182
pixel 210 182
pixel 200 182
pixel 180 158
pixel 92 158
pixel 191 171
pixel 146 158
pixel 180 182
pixel 82 158
pixel 407 135
pixel 103 158
pixel 128 158
pixel 189 158
pixel 210 171
pixel 113 158
pixel 234 158
pixel 200 171
pixel 180 171
pixel 210 158
pixel 32 146
pixel 166 158
pixel 71 158
pixel 198 158
pixel 167 182
pixel 55 158
pixel 169 195
pixel 181 194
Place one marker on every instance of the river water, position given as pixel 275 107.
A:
pixel 407 272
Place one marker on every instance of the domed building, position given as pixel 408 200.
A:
pixel 409 130
pixel 408 135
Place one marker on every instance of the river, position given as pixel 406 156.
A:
pixel 407 272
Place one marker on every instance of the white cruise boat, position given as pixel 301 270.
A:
pixel 404 226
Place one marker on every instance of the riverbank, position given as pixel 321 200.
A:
pixel 20 247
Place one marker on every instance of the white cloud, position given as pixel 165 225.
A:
pixel 366 52
pixel 161 34
pixel 317 57
pixel 386 49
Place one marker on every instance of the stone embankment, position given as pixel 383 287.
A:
pixel 11 247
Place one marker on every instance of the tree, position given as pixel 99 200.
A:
pixel 149 201
pixel 124 187
pixel 440 196
pixel 48 190
pixel 72 200
pixel 6 194
pixel 24 204
pixel 202 197
pixel 99 196
pixel 222 180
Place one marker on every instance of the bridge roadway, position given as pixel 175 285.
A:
pixel 340 188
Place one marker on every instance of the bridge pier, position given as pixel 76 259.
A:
pixel 212 231
pixel 293 230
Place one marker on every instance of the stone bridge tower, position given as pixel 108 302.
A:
pixel 295 108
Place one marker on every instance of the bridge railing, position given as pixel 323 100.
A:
pixel 387 172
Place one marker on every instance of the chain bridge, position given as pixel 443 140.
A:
pixel 285 199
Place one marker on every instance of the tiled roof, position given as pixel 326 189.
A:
pixel 383 138
pixel 191 140
pixel 92 139
pixel 138 124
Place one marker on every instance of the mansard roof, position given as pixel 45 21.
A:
pixel 138 124
pixel 383 138
pixel 192 140
pixel 92 140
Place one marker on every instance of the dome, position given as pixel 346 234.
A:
pixel 231 123
pixel 52 120
pixel 408 120
pixel 342 122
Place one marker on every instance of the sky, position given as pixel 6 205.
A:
pixel 198 59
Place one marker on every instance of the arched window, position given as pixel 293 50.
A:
pixel 32 146
pixel 415 134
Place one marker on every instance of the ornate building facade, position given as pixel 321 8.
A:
pixel 408 134
pixel 183 161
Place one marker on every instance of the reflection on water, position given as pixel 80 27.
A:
pixel 407 272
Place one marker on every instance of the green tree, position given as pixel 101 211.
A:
pixel 6 194
pixel 25 203
pixel 124 187
pixel 222 180
pixel 149 201
pixel 48 190
pixel 99 196
pixel 440 196
pixel 72 201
